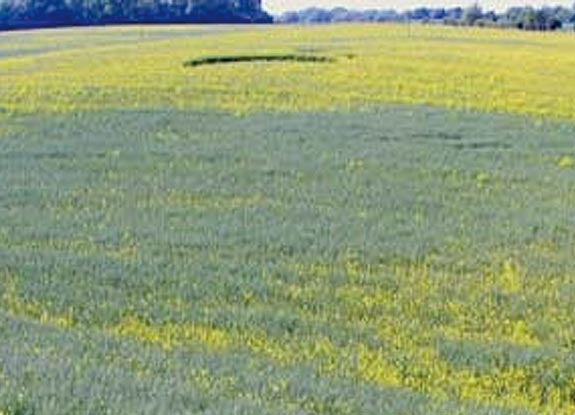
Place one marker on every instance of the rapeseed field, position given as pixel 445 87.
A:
pixel 477 69
pixel 375 220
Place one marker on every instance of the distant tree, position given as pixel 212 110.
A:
pixel 527 18
pixel 454 13
pixel 289 18
pixel 472 14
pixel 316 15
pixel 421 13
pixel 437 14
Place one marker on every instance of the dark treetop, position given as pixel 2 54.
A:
pixel 23 14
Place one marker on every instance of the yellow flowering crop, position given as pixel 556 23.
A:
pixel 477 69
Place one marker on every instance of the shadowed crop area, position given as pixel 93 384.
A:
pixel 287 238
pixel 220 60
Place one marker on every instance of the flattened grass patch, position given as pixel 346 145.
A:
pixel 230 59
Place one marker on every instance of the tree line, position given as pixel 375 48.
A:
pixel 20 14
pixel 526 18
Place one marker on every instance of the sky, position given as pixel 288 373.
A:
pixel 278 6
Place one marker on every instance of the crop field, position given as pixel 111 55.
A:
pixel 339 220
